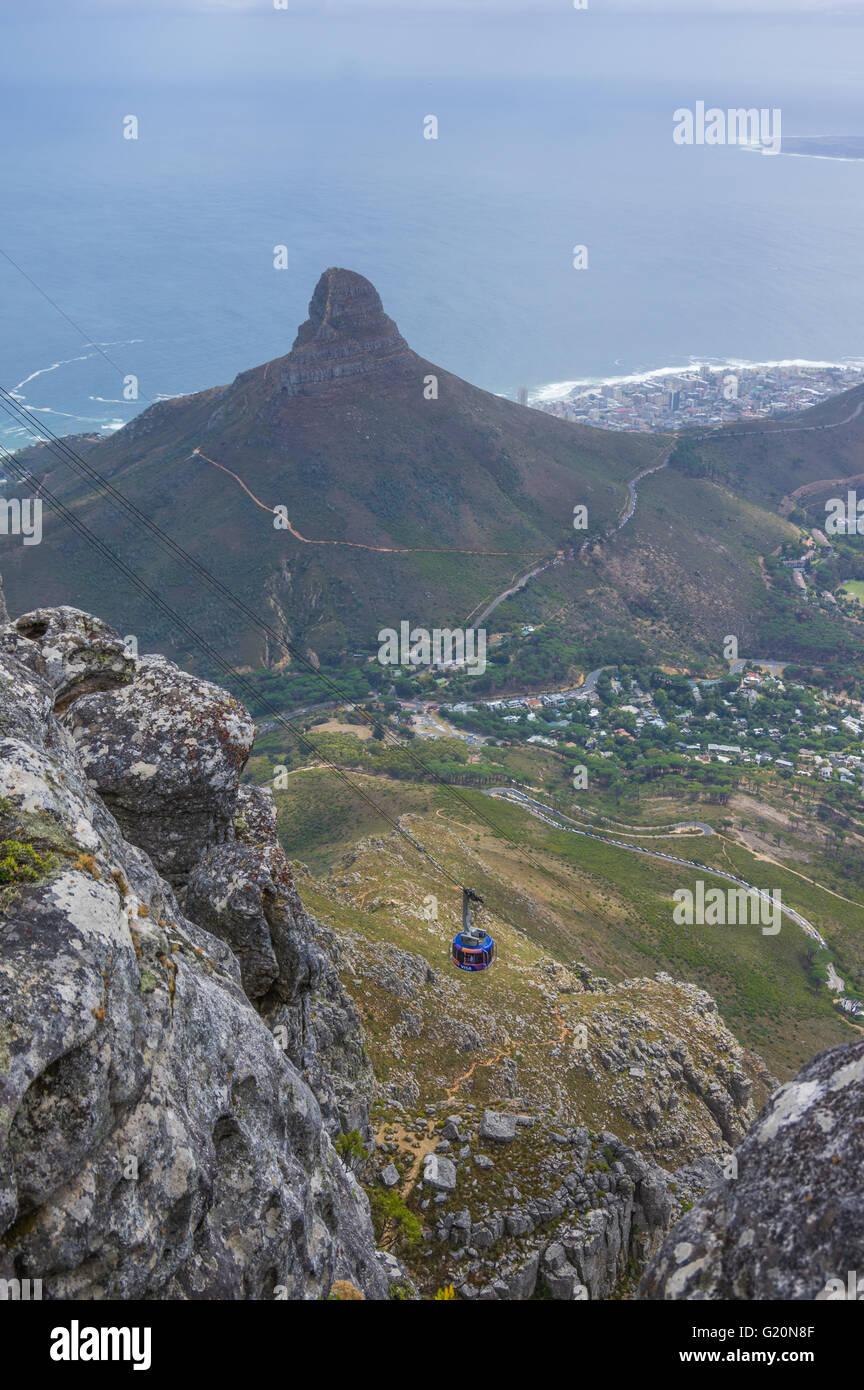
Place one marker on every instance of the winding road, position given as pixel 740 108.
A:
pixel 559 821
pixel 718 433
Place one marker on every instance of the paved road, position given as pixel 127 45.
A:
pixel 559 822
pixel 718 433
pixel 722 433
pixel 518 584
pixel 514 589
pixel 772 665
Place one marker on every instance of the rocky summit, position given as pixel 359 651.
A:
pixel 427 491
pixel 347 334
pixel 169 1099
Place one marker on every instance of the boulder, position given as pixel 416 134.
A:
pixel 76 653
pixel 165 753
pixel 439 1172
pixel 498 1126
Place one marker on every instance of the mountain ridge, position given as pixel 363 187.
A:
pixel 411 495
pixel 346 435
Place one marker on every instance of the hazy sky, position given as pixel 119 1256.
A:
pixel 302 127
pixel 691 7
pixel 121 41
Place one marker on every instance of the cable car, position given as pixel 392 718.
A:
pixel 473 948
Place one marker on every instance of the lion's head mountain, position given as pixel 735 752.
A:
pixel 431 497
pixel 347 434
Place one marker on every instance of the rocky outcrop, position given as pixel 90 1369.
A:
pixel 788 1222
pixel 75 653
pixel 347 334
pixel 159 1137
pixel 650 1059
pixel 548 1130
pixel 514 1206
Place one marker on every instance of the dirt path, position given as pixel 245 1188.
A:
pixel 351 545
pixel 426 1146
pixel 564 1030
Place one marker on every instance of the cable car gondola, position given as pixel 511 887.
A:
pixel 473 948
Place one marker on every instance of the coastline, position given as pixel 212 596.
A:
pixel 561 390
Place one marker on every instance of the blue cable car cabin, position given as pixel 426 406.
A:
pixel 473 948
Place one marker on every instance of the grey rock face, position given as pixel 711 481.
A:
pixel 439 1172
pixel 245 895
pixel 155 1139
pixel 75 653
pixel 255 816
pixel 596 1209
pixel 791 1221
pixel 497 1126
pixel 347 334
pixel 165 752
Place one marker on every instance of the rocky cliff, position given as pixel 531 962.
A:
pixel 787 1223
pixel 346 334
pixel 176 1052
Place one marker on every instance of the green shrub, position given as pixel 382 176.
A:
pixel 388 1207
pixel 400 1291
pixel 350 1148
pixel 19 863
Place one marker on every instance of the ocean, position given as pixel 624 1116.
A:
pixel 550 136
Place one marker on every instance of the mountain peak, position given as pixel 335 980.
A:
pixel 346 334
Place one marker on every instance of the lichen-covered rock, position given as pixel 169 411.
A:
pixel 76 653
pixel 245 894
pixel 497 1126
pixel 155 1140
pixel 165 750
pixel 790 1221
pixel 165 754
pixel 336 1064
pixel 255 816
